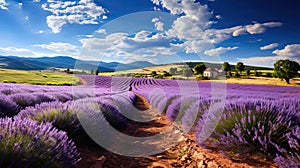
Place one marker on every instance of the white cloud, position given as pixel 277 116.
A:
pixel 219 51
pixel 269 47
pixel 13 51
pixel 143 45
pixel 291 52
pixel 40 32
pixel 23 52
pixel 101 31
pixel 258 28
pixel 60 48
pixel 193 11
pixel 156 8
pixel 3 5
pixel 72 12
pixel 192 26
pixel 260 61
pixel 159 25
pixel 218 17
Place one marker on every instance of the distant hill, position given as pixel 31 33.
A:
pixel 219 66
pixel 42 63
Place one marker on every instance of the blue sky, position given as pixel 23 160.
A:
pixel 256 32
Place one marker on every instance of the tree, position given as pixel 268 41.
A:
pixel 286 69
pixel 97 71
pixel 226 67
pixel 68 70
pixel 166 74
pixel 240 66
pixel 153 73
pixel 173 71
pixel 199 69
pixel 187 72
pixel 248 72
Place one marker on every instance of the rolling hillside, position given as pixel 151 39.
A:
pixel 42 63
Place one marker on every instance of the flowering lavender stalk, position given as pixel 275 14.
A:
pixel 259 126
pixel 24 143
pixel 61 115
pixel 8 108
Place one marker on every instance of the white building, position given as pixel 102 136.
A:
pixel 211 72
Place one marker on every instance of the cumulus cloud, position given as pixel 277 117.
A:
pixel 258 28
pixel 101 31
pixel 159 25
pixel 291 52
pixel 23 52
pixel 260 61
pixel 193 25
pixel 269 47
pixel 13 51
pixel 3 5
pixel 193 11
pixel 72 12
pixel 60 48
pixel 219 51
pixel 143 44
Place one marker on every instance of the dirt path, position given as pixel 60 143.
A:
pixel 186 153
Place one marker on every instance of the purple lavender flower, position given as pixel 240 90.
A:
pixel 7 107
pixel 24 143
pixel 61 115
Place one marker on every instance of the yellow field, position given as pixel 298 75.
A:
pixel 37 77
pixel 261 81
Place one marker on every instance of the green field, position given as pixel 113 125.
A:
pixel 37 77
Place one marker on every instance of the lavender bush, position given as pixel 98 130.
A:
pixel 24 143
pixel 8 108
pixel 258 126
pixel 61 115
pixel 112 114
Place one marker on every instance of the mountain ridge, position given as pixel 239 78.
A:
pixel 43 63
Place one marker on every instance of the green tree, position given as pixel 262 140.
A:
pixel 199 69
pixel 187 72
pixel 97 71
pixel 153 73
pixel 173 71
pixel 256 73
pixel 166 74
pixel 248 72
pixel 286 69
pixel 226 67
pixel 240 67
pixel 68 70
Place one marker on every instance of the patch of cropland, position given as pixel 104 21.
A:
pixel 37 77
pixel 45 126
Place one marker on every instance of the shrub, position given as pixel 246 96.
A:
pixel 111 113
pixel 258 126
pixel 8 108
pixel 178 107
pixel 24 143
pixel 61 115
pixel 23 99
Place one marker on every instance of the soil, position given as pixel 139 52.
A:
pixel 186 153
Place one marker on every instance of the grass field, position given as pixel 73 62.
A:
pixel 37 77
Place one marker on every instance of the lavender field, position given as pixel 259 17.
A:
pixel 40 125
